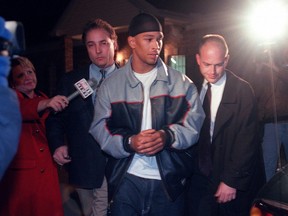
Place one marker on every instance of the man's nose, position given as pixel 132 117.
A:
pixel 156 45
pixel 97 49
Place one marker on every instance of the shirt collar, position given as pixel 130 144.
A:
pixel 95 69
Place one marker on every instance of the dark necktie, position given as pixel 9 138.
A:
pixel 103 73
pixel 205 160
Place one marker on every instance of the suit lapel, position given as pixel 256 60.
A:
pixel 88 102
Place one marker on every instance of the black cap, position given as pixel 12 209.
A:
pixel 144 22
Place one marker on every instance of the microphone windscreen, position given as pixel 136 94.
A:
pixel 93 83
pixel 84 88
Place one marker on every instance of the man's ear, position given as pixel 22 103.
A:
pixel 115 45
pixel 131 42
pixel 226 60
pixel 198 59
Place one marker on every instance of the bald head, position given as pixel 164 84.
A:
pixel 215 39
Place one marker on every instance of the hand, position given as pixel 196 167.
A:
pixel 57 103
pixel 225 193
pixel 148 142
pixel 61 156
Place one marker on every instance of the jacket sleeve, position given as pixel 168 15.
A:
pixel 112 144
pixel 187 130
pixel 55 123
pixel 55 131
pixel 243 144
pixel 28 107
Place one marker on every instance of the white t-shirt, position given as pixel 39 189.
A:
pixel 145 166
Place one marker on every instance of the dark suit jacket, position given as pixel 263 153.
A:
pixel 86 170
pixel 236 149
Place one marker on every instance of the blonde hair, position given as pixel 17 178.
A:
pixel 19 61
pixel 23 62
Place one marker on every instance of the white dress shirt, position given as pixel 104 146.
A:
pixel 217 90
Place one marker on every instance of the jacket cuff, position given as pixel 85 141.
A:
pixel 127 144
pixel 170 137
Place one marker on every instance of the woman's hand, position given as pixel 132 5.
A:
pixel 57 103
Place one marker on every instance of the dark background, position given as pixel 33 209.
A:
pixel 38 16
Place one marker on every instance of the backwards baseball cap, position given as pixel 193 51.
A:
pixel 144 22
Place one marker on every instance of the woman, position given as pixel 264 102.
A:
pixel 30 187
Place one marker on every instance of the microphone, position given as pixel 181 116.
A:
pixel 84 88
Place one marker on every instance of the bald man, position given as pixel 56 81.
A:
pixel 229 172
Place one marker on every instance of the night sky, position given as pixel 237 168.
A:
pixel 39 17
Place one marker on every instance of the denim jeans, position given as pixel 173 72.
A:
pixel 271 150
pixel 139 196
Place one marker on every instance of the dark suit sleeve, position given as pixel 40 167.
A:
pixel 243 146
pixel 55 123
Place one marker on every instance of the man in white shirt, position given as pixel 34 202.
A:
pixel 147 116
pixel 235 174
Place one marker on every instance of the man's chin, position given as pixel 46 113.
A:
pixel 212 80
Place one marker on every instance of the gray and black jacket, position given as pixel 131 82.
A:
pixel 176 109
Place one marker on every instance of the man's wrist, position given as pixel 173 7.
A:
pixel 128 144
pixel 130 140
pixel 169 137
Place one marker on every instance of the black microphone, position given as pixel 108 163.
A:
pixel 84 88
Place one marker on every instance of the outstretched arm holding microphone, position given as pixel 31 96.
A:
pixel 32 164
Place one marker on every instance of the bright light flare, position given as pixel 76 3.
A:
pixel 119 56
pixel 268 20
